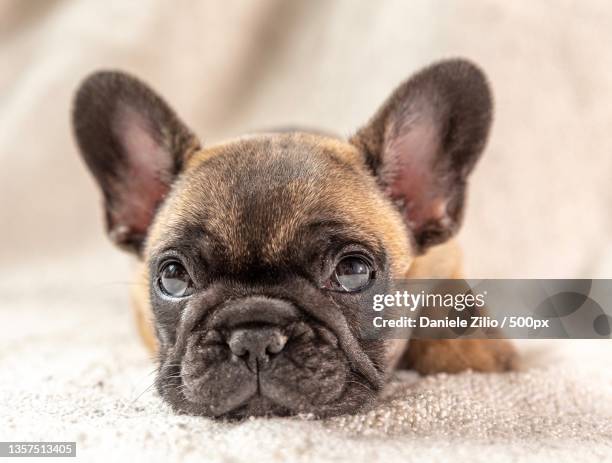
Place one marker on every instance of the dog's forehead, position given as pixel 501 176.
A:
pixel 256 194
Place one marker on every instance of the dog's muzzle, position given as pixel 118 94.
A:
pixel 262 355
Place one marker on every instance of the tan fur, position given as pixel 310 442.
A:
pixel 428 356
pixel 142 310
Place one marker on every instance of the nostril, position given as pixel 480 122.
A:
pixel 236 346
pixel 277 343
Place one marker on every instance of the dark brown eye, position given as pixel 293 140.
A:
pixel 353 273
pixel 174 280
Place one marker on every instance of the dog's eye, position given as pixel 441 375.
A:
pixel 353 273
pixel 174 280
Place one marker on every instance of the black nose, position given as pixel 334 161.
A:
pixel 256 345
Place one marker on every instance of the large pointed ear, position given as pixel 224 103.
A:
pixel 134 145
pixel 424 142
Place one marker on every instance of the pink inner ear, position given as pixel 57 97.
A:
pixel 143 185
pixel 409 172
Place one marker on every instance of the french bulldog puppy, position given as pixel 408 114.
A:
pixel 257 255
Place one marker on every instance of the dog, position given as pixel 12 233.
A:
pixel 256 255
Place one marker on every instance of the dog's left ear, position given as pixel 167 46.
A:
pixel 423 143
pixel 135 146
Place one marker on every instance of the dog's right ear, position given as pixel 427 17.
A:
pixel 423 143
pixel 134 145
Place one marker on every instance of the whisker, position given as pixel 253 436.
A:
pixel 142 393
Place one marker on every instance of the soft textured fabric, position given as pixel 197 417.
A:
pixel 75 371
pixel 71 365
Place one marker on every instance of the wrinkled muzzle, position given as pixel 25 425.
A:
pixel 258 355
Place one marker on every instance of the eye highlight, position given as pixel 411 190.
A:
pixel 174 280
pixel 352 273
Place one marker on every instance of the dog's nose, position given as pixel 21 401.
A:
pixel 256 345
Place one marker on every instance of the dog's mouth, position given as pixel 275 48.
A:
pixel 267 362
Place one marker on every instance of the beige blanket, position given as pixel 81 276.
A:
pixel 74 370
pixel 71 366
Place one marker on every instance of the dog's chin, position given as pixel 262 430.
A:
pixel 357 396
pixel 312 375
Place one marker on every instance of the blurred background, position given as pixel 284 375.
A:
pixel 540 203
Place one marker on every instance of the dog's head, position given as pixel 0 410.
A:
pixel 262 252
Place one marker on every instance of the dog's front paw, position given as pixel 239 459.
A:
pixel 428 356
